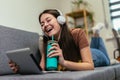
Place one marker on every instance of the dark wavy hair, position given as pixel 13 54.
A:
pixel 66 42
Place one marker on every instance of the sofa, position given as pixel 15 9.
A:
pixel 11 39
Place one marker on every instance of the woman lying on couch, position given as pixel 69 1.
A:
pixel 73 49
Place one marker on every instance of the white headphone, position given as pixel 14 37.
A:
pixel 61 19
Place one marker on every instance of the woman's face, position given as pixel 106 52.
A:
pixel 49 25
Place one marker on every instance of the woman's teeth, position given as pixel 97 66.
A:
pixel 48 30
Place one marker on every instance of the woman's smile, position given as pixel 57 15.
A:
pixel 49 30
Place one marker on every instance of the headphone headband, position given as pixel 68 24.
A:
pixel 59 11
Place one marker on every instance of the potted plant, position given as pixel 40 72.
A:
pixel 80 3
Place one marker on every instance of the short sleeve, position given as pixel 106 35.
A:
pixel 80 38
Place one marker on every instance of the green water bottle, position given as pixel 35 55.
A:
pixel 51 62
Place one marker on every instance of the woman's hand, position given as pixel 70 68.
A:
pixel 13 66
pixel 56 51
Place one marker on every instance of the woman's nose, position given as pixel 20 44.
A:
pixel 46 24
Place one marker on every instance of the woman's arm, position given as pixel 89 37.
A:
pixel 81 41
pixel 42 62
pixel 85 64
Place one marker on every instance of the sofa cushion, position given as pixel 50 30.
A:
pixel 107 72
pixel 11 39
pixel 117 71
pixel 97 74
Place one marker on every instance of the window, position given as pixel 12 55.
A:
pixel 115 13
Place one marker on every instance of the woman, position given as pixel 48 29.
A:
pixel 72 49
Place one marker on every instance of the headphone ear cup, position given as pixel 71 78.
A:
pixel 61 19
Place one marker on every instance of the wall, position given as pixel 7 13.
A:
pixel 98 7
pixel 23 14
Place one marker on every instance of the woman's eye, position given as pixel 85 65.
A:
pixel 48 20
pixel 42 25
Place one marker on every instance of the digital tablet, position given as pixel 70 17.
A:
pixel 25 60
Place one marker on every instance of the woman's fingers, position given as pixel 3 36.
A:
pixel 54 53
pixel 53 48
pixel 55 44
pixel 16 69
pixel 13 66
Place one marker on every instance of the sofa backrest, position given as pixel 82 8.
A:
pixel 11 39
